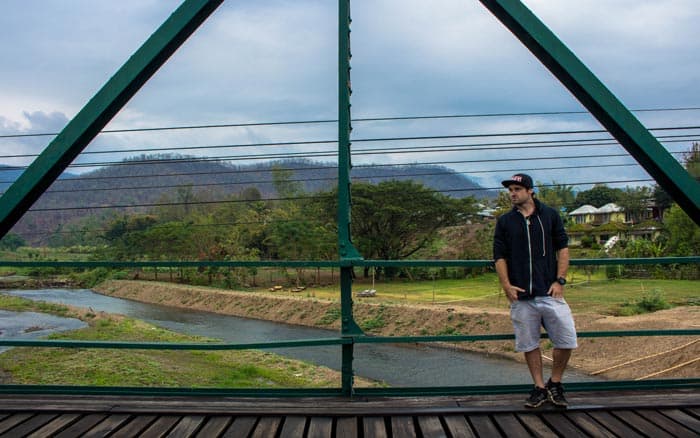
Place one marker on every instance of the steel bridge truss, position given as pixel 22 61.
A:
pixel 184 21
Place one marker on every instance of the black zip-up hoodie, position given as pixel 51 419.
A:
pixel 529 246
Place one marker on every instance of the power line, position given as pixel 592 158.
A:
pixel 361 140
pixel 366 151
pixel 357 120
pixel 297 198
pixel 610 141
pixel 331 178
pixel 449 171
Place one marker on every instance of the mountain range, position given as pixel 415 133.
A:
pixel 150 179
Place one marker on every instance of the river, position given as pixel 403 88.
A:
pixel 396 365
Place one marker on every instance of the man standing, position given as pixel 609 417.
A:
pixel 530 248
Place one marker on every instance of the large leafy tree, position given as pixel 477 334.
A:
pixel 635 202
pixel 598 196
pixel 682 232
pixel 691 162
pixel 395 219
pixel 662 199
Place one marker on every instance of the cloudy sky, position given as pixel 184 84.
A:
pixel 276 61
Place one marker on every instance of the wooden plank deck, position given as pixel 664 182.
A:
pixel 602 414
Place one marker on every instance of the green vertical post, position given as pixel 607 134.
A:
pixel 80 131
pixel 348 253
pixel 600 101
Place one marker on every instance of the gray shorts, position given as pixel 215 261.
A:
pixel 528 316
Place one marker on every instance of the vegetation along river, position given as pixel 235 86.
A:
pixel 395 365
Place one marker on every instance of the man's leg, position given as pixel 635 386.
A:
pixel 555 390
pixel 562 332
pixel 526 322
pixel 561 359
pixel 539 394
pixel 534 364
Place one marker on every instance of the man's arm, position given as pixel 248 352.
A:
pixel 562 262
pixel 557 290
pixel 510 290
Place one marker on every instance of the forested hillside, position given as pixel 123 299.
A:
pixel 142 183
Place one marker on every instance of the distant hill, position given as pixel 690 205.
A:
pixel 8 175
pixel 152 179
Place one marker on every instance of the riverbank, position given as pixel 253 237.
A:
pixel 23 282
pixel 139 368
pixel 614 357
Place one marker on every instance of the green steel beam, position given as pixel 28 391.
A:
pixel 482 263
pixel 300 343
pixel 101 109
pixel 170 391
pixel 347 250
pixel 619 385
pixel 348 253
pixel 508 336
pixel 601 102
pixel 328 264
pixel 208 346
pixel 175 264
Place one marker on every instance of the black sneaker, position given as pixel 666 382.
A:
pixel 537 397
pixel 555 393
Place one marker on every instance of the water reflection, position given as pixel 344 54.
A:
pixel 32 325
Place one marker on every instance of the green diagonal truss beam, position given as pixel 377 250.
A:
pixel 83 128
pixel 604 106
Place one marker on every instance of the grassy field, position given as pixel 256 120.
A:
pixel 597 295
pixel 71 366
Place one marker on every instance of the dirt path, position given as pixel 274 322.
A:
pixel 617 357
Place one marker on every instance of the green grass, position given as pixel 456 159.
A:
pixel 597 295
pixel 375 321
pixel 80 366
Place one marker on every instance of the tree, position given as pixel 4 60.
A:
pixel 284 185
pixel 662 200
pixel 502 203
pixel 251 194
pixel 124 235
pixel 11 242
pixel 394 219
pixel 691 161
pixel 682 232
pixel 598 196
pixel 558 196
pixel 635 202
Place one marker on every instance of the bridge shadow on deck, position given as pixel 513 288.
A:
pixel 625 414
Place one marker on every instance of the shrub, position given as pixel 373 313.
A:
pixel 92 277
pixel 653 301
pixel 587 241
pixel 331 315
pixel 613 272
pixel 647 303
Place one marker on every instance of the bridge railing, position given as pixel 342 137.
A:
pixel 349 336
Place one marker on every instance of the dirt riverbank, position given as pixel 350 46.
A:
pixel 612 357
